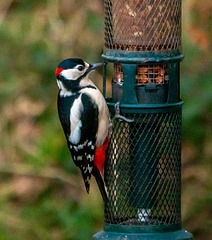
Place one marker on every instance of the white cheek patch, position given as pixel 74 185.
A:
pixel 72 74
pixel 75 121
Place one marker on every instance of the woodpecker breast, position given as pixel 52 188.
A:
pixel 104 123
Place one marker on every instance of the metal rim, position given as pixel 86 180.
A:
pixel 146 108
pixel 111 55
pixel 142 229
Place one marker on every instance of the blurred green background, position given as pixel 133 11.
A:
pixel 41 192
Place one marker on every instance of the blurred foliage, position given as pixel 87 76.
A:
pixel 41 192
pixel 196 86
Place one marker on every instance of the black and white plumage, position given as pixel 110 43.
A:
pixel 84 116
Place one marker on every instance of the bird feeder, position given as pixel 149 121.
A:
pixel 143 164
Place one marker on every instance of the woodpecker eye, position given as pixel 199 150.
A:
pixel 80 68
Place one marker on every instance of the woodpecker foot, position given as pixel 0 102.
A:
pixel 120 117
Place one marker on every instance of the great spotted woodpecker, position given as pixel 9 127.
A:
pixel 84 116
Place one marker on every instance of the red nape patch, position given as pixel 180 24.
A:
pixel 58 71
pixel 99 158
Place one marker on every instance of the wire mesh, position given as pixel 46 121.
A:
pixel 143 25
pixel 142 171
pixel 154 73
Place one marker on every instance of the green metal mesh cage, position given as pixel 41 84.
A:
pixel 143 25
pixel 142 172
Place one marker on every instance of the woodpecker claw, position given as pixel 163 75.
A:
pixel 120 117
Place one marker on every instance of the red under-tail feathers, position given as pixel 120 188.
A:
pixel 99 158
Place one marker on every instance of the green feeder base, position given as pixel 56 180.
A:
pixel 177 235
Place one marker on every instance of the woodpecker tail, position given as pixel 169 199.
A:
pixel 100 183
pixel 86 177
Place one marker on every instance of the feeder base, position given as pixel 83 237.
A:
pixel 177 235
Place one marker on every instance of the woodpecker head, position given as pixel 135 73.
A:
pixel 70 71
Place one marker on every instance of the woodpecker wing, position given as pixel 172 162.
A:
pixel 83 151
pixel 64 104
pixel 79 118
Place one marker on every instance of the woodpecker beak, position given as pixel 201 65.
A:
pixel 93 66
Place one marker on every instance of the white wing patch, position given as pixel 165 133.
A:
pixel 90 168
pixel 75 122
